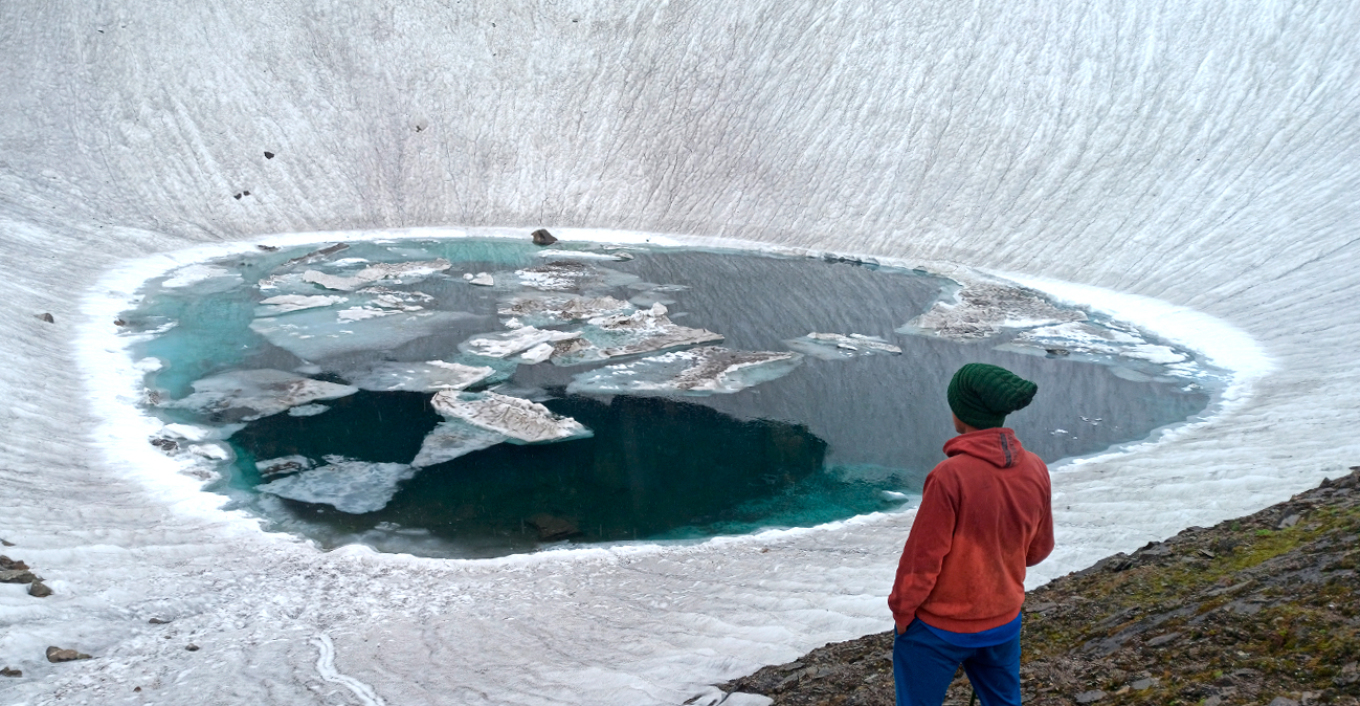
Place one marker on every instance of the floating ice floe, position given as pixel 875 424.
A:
pixel 284 465
pixel 375 273
pixel 481 279
pixel 643 331
pixel 203 279
pixel 1098 340
pixel 308 410
pixel 699 371
pixel 585 255
pixel 397 299
pixel 350 486
pixel 539 309
pixel 507 343
pixel 835 346
pixel 313 256
pixel 429 376
pixel 288 303
pixel 315 334
pixel 569 275
pixel 518 419
pixel 454 438
pixel 984 309
pixel 244 395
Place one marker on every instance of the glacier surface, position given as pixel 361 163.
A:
pixel 1193 168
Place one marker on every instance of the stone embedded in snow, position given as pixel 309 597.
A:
pixel 243 395
pixel 350 486
pixel 283 465
pixel 698 371
pixel 308 410
pixel 419 377
pixel 481 279
pixel 315 334
pixel 985 309
pixel 375 273
pixel 535 309
pixel 835 346
pixel 286 303
pixel 519 419
pixel 508 343
pixel 454 438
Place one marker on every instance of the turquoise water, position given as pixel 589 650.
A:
pixel 810 441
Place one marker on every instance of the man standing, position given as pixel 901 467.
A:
pixel 985 516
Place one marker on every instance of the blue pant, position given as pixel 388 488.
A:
pixel 924 665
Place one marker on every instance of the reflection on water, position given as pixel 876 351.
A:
pixel 809 441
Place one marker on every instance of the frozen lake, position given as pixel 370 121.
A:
pixel 1192 169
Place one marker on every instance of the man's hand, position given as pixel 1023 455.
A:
pixel 900 628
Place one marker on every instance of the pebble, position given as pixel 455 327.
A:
pixel 1089 697
pixel 57 654
pixel 38 589
pixel 9 672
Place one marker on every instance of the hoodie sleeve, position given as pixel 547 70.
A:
pixel 1042 543
pixel 932 535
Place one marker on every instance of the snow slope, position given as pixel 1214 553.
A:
pixel 1192 164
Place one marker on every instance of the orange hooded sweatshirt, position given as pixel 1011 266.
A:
pixel 986 514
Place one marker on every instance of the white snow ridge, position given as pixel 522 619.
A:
pixel 1192 168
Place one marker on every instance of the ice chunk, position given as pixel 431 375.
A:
pixel 536 309
pixel 351 486
pixel 243 395
pixel 984 309
pixel 1092 338
pixel 537 354
pixel 204 279
pixel 313 256
pixel 569 275
pixel 419 377
pixel 454 438
pixel 397 299
pixel 585 255
pixel 316 334
pixel 519 419
pixel 835 346
pixel 508 343
pixel 644 331
pixel 481 279
pixel 190 432
pixel 699 371
pixel 285 303
pixel 283 465
pixel 308 410
pixel 404 271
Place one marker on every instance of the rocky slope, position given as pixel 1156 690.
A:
pixel 1263 609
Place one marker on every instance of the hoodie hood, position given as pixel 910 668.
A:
pixel 998 446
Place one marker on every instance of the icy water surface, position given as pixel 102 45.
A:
pixel 475 398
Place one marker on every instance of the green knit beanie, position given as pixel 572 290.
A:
pixel 981 395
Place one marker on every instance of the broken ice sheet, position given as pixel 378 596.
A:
pixel 429 376
pixel 288 303
pixel 699 371
pixel 518 419
pixel 453 438
pixel 568 275
pixel 1095 339
pixel 540 309
pixel 644 331
pixel 244 395
pixel 315 334
pixel 835 346
pixel 377 272
pixel 283 465
pixel 507 343
pixel 308 410
pixel 984 309
pixel 348 485
pixel 202 279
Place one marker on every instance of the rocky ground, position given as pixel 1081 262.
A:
pixel 1259 610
